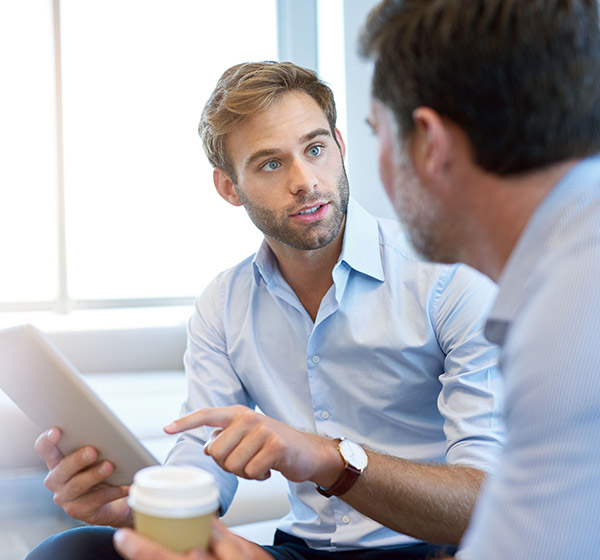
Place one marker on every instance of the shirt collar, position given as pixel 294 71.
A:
pixel 360 248
pixel 264 263
pixel 535 241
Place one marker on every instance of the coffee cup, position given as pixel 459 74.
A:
pixel 174 506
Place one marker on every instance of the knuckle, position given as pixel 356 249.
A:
pixel 249 473
pixel 253 472
pixel 248 418
pixel 95 518
pixel 70 510
pixel 57 499
pixel 239 409
pixel 263 431
pixel 49 482
pixel 39 444
pixel 230 466
pixel 275 445
pixel 246 412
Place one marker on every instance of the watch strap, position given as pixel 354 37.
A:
pixel 346 480
pixel 343 484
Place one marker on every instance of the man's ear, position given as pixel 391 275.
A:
pixel 225 186
pixel 340 141
pixel 432 148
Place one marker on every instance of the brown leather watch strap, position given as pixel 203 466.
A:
pixel 343 484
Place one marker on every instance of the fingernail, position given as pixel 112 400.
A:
pixel 88 455
pixel 120 540
pixel 119 536
pixel 170 428
pixel 105 468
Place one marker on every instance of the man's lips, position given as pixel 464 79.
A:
pixel 312 213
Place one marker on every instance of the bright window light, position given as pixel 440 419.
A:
pixel 143 219
pixel 331 53
pixel 28 183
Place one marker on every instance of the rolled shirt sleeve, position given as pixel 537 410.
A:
pixel 471 398
pixel 212 382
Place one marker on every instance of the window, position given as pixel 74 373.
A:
pixel 28 201
pixel 106 197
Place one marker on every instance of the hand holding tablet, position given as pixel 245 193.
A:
pixel 79 485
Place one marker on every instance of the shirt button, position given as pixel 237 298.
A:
pixel 346 519
pixel 316 359
pixel 324 415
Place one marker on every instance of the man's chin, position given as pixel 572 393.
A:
pixel 313 244
pixel 430 250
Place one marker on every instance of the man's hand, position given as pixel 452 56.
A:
pixel 249 444
pixel 224 546
pixel 78 483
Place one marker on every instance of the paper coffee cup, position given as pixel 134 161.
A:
pixel 174 506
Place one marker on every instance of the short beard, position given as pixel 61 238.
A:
pixel 314 236
pixel 422 216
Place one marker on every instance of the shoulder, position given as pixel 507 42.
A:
pixel 452 279
pixel 393 238
pixel 229 283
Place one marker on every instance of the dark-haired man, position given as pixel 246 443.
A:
pixel 488 117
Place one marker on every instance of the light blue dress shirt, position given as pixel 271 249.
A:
pixel 545 500
pixel 396 359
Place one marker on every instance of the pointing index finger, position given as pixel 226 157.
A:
pixel 215 417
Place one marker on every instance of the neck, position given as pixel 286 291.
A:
pixel 502 208
pixel 308 273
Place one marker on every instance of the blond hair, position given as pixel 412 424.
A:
pixel 248 88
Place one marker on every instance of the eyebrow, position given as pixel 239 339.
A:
pixel 271 152
pixel 317 132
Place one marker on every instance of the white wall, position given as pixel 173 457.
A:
pixel 298 29
pixel 363 172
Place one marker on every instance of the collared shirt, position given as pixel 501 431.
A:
pixel 545 500
pixel 396 359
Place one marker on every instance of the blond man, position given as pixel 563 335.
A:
pixel 377 386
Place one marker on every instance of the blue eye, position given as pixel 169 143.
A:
pixel 315 151
pixel 271 165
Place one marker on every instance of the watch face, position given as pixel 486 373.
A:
pixel 354 454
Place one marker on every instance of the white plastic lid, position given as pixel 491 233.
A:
pixel 172 491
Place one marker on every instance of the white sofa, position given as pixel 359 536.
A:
pixel 138 373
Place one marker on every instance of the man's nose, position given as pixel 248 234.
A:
pixel 302 177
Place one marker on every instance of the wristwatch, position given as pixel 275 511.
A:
pixel 355 460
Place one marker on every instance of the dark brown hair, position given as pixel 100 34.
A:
pixel 521 77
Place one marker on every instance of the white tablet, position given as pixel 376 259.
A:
pixel 50 390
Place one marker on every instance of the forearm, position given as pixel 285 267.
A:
pixel 429 502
